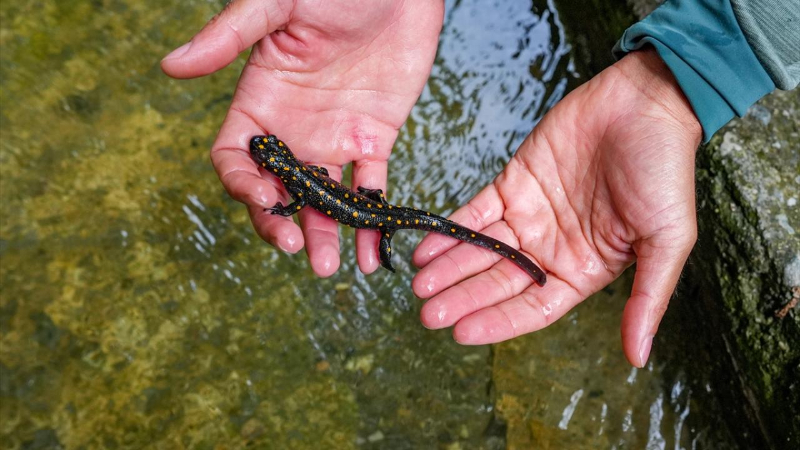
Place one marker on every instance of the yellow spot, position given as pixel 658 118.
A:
pixel 299 194
pixel 380 224
pixel 355 214
pixel 263 164
pixel 308 183
pixel 373 215
pixel 380 206
pixel 286 168
pixel 472 235
pixel 428 214
pixel 387 234
pixel 388 249
pixel 390 218
pixel 399 221
pixel 496 245
pixel 513 257
pixel 324 183
pixel 298 207
pixel 304 169
pixel 294 178
pixel 314 173
pixel 369 205
pixel 320 203
pixel 406 222
pixel 321 192
pixel 366 222
pixel 381 194
pixel 346 195
pixel 329 213
pixel 272 160
pixel 416 221
pixel 280 144
pixel 338 202
pixel 433 224
pixel 355 200
pixel 390 206
pixel 275 170
pixel 261 146
pixel 330 198
pixel 452 230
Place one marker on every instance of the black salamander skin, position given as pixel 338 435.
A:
pixel 366 208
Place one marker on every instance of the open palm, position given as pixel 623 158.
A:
pixel 335 80
pixel 605 179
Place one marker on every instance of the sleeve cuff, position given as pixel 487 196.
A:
pixel 702 44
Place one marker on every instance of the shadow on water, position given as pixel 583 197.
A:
pixel 138 308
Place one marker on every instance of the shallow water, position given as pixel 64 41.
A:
pixel 139 308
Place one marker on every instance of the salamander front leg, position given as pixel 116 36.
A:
pixel 281 210
pixel 372 194
pixel 385 249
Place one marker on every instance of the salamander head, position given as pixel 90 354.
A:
pixel 270 152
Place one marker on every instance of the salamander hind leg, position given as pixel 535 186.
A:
pixel 319 169
pixel 385 249
pixel 372 194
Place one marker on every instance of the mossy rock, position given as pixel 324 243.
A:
pixel 746 267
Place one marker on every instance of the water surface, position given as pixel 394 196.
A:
pixel 139 309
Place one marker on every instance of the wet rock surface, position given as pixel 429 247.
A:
pixel 745 266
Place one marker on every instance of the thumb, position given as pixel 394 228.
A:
pixel 660 260
pixel 240 25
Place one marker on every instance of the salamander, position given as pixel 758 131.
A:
pixel 365 208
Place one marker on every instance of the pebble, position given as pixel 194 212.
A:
pixel 376 436
pixel 760 114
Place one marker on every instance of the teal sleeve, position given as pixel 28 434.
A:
pixel 702 44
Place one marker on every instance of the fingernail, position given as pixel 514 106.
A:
pixel 180 51
pixel 644 350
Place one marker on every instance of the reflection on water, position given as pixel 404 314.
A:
pixel 138 307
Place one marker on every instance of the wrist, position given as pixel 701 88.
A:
pixel 650 76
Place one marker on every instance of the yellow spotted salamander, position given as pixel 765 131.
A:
pixel 367 208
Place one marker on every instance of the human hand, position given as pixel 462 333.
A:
pixel 605 179
pixel 335 80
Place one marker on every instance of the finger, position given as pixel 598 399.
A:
pixel 461 262
pixel 246 182
pixel 500 283
pixel 322 236
pixel 241 178
pixel 236 28
pixel 532 310
pixel 483 210
pixel 371 175
pixel 660 261
pixel 235 167
pixel 277 230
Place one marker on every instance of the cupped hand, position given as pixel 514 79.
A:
pixel 335 80
pixel 605 179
